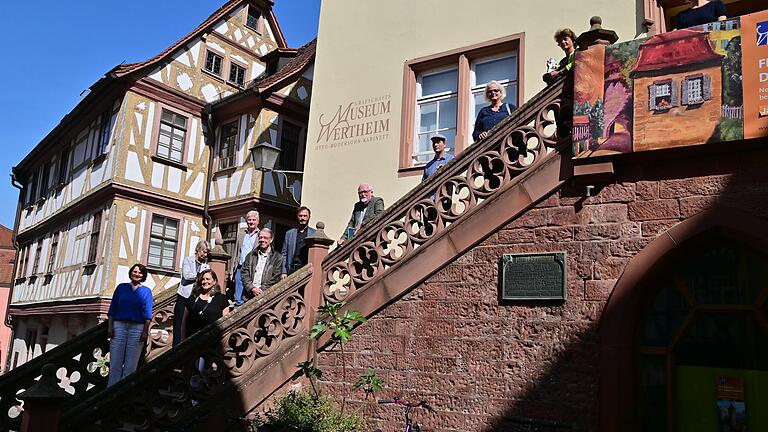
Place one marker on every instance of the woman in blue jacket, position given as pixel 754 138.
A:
pixel 129 316
pixel 490 116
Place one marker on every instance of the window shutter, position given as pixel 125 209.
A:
pixel 706 87
pixel 684 89
pixel 652 97
pixel 675 91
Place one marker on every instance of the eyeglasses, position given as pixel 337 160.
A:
pixel 492 91
pixel 363 191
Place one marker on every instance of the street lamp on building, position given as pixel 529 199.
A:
pixel 265 158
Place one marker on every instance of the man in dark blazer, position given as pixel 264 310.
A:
pixel 295 252
pixel 262 266
pixel 364 210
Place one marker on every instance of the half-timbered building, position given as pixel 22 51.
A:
pixel 140 170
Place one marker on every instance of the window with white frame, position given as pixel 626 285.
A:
pixel 228 145
pixel 236 74
pixel 173 130
pixel 696 89
pixel 213 63
pixel 663 95
pixel 500 68
pixel 163 238
pixel 436 103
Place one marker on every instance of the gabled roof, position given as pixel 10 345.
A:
pixel 675 49
pixel 296 65
pixel 205 25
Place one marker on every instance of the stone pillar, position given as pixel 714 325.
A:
pixel 218 259
pixel 318 245
pixel 43 402
pixel 596 35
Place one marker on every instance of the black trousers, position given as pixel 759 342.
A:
pixel 178 315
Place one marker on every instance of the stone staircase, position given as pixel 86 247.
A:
pixel 234 365
pixel 82 363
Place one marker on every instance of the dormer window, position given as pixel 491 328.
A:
pixel 252 20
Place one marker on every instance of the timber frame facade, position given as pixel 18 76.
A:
pixel 135 172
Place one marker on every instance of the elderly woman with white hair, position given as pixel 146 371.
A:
pixel 191 266
pixel 491 115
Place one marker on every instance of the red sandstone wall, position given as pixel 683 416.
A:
pixel 450 342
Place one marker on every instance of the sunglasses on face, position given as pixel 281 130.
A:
pixel 492 91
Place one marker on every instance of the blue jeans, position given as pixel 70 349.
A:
pixel 238 287
pixel 124 350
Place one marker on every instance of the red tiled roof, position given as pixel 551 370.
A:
pixel 673 49
pixel 304 56
pixel 215 16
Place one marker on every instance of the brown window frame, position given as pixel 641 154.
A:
pixel 209 52
pixel 461 57
pixel 21 271
pixel 53 251
pixel 159 133
pixel 235 64
pixel 259 27
pixel 38 252
pixel 179 224
pixel 93 241
pixel 232 153
pixel 298 163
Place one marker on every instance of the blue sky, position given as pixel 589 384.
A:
pixel 58 49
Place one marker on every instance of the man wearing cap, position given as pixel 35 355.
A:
pixel 441 158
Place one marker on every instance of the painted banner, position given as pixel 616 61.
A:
pixel 704 84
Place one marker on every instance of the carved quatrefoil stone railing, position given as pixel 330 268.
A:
pixel 518 143
pixel 209 370
pixel 82 363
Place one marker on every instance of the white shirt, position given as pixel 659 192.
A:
pixel 249 240
pixel 258 272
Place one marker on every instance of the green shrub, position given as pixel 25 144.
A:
pixel 301 411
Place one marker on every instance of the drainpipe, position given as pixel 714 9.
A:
pixel 6 319
pixel 209 138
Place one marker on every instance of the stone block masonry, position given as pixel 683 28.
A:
pixel 481 363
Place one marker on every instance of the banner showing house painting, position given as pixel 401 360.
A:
pixel 700 85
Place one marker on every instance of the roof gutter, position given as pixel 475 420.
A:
pixel 7 318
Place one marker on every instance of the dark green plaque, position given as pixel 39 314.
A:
pixel 539 276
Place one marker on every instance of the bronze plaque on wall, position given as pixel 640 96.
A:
pixel 537 276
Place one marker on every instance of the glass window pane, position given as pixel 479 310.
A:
pixel 666 316
pixel 168 261
pixel 167 116
pixel 170 229
pixel 440 82
pixel 176 155
pixel 499 70
pixel 157 227
pixel 180 121
pixel 652 400
pixel 447 113
pixel 511 94
pixel 428 117
pixel 480 102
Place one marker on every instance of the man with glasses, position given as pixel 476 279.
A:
pixel 367 208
